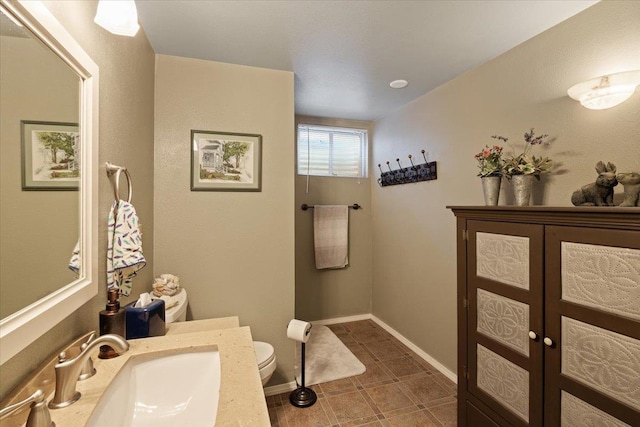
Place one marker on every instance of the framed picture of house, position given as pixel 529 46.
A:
pixel 223 161
pixel 50 155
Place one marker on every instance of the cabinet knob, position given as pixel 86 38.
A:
pixel 533 335
pixel 548 341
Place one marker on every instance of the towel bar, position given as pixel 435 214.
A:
pixel 355 207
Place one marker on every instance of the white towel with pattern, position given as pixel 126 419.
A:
pixel 124 247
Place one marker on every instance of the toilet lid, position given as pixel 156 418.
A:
pixel 172 314
pixel 264 353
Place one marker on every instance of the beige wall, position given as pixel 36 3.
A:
pixel 326 294
pixel 414 286
pixel 38 229
pixel 233 251
pixel 126 138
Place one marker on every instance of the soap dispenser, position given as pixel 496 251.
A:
pixel 112 321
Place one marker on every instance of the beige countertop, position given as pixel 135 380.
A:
pixel 202 325
pixel 242 401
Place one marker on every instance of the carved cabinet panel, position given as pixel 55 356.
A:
pixel 548 317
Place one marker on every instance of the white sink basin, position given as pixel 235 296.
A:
pixel 162 391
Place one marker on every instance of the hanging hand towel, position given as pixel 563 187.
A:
pixel 124 250
pixel 331 236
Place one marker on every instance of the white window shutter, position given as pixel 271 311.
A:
pixel 330 151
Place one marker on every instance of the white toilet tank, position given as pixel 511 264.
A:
pixel 177 313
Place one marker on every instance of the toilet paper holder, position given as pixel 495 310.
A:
pixel 301 397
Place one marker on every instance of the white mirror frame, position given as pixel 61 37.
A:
pixel 22 328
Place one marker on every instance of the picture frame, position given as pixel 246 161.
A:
pixel 225 161
pixel 50 155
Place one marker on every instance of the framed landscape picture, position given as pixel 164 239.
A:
pixel 50 155
pixel 222 161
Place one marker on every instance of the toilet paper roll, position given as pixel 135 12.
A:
pixel 298 330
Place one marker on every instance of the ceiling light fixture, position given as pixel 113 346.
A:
pixel 606 91
pixel 398 84
pixel 118 17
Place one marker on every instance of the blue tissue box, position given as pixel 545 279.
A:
pixel 146 321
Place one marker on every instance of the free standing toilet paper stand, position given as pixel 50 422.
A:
pixel 302 397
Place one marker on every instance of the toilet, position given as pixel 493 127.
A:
pixel 265 354
pixel 266 358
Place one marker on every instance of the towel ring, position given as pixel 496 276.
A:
pixel 115 170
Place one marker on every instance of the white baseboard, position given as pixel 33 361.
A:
pixel 341 319
pixel 280 388
pixel 428 358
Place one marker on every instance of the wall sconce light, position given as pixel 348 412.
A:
pixel 118 17
pixel 606 91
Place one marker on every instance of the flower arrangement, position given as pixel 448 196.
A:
pixel 490 161
pixel 525 163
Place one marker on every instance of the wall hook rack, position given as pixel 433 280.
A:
pixel 426 171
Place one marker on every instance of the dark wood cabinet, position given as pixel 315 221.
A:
pixel 548 316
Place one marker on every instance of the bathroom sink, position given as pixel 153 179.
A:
pixel 162 390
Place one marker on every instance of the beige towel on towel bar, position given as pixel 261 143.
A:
pixel 331 236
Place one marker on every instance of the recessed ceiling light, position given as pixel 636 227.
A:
pixel 398 84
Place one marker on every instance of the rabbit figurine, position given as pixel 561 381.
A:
pixel 599 193
pixel 631 183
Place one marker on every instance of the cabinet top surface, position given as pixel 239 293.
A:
pixel 613 217
pixel 547 209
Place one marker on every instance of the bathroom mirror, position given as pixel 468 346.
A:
pixel 39 172
pixel 49 162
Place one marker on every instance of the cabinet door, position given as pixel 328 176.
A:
pixel 592 367
pixel 504 292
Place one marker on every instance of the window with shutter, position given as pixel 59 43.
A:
pixel 332 151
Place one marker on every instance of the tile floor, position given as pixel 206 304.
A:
pixel 399 389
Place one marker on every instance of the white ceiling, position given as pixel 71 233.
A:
pixel 345 53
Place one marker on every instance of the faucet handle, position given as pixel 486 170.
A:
pixel 39 415
pixel 87 370
pixel 67 372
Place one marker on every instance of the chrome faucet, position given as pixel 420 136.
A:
pixel 68 371
pixel 39 415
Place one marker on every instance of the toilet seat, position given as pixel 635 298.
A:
pixel 264 353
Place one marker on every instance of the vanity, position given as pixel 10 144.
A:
pixel 241 399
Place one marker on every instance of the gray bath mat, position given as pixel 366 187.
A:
pixel 327 358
